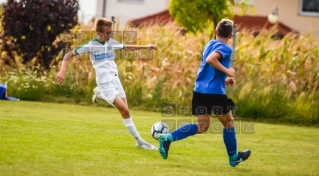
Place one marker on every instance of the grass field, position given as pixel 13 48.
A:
pixel 63 139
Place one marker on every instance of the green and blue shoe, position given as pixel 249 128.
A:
pixel 164 145
pixel 239 157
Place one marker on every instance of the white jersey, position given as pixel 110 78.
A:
pixel 102 57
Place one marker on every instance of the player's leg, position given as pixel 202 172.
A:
pixel 121 107
pixel 110 93
pixel 128 122
pixel 230 141
pixel 125 101
pixel 199 108
pixel 190 129
pixel 183 132
pixel 140 142
pixel 203 122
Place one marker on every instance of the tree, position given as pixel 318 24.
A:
pixel 197 15
pixel 31 27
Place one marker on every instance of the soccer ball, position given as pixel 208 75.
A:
pixel 159 128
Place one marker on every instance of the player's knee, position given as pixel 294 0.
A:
pixel 202 127
pixel 124 112
pixel 229 122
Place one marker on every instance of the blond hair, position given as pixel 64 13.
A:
pixel 101 23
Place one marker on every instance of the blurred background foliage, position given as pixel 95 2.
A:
pixel 30 29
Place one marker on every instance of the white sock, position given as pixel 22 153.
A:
pixel 132 129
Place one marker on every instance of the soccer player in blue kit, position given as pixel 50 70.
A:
pixel 209 96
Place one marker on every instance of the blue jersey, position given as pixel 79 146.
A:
pixel 209 80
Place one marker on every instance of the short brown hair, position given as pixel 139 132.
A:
pixel 224 28
pixel 101 23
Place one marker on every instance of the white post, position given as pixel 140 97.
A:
pixel 232 59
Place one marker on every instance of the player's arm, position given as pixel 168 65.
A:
pixel 138 47
pixel 60 76
pixel 117 45
pixel 213 60
pixel 85 48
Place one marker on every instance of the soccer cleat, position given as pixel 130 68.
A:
pixel 164 146
pixel 242 156
pixel 96 94
pixel 146 146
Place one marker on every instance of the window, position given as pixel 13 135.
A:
pixel 248 2
pixel 309 7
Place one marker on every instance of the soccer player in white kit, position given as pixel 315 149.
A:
pixel 109 87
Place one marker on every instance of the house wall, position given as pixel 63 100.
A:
pixel 288 14
pixel 125 10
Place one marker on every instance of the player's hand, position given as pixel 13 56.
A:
pixel 60 76
pixel 230 81
pixel 154 47
pixel 231 72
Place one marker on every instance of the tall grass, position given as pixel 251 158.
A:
pixel 275 79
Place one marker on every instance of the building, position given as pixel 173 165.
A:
pixel 125 10
pixel 301 16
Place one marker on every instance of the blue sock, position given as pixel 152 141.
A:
pixel 183 132
pixel 230 142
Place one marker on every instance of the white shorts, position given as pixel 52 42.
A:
pixel 111 89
